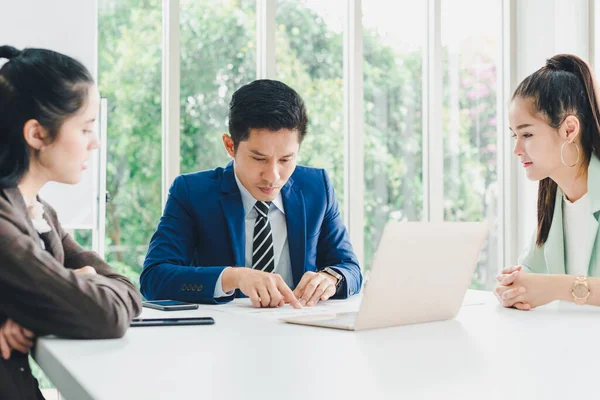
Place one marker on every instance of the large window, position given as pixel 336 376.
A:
pixel 393 131
pixel 470 60
pixel 218 55
pixel 218 49
pixel 219 52
pixel 129 76
pixel 309 58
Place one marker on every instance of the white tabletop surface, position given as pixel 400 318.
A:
pixel 487 352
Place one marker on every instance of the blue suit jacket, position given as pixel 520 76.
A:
pixel 202 232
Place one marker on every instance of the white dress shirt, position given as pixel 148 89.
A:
pixel 580 229
pixel 283 265
pixel 35 212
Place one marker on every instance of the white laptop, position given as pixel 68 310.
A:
pixel 420 273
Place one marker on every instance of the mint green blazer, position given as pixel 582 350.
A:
pixel 550 258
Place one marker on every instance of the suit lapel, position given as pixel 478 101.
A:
pixel 233 210
pixel 594 232
pixel 593 187
pixel 52 241
pixel 554 249
pixel 594 268
pixel 295 217
pixel 15 198
pixel 594 198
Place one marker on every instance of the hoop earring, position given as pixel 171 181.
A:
pixel 562 157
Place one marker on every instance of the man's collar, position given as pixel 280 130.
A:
pixel 248 200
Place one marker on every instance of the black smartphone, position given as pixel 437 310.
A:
pixel 172 321
pixel 169 305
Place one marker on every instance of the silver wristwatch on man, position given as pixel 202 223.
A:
pixel 335 274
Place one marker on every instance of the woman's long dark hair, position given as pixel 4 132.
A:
pixel 564 86
pixel 35 84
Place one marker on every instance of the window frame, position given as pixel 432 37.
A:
pixel 433 166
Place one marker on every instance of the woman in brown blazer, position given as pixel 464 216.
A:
pixel 48 283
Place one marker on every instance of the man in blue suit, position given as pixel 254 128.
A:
pixel 262 212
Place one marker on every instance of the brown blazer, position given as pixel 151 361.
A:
pixel 39 291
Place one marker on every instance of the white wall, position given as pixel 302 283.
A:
pixel 69 27
pixel 544 28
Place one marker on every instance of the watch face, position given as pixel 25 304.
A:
pixel 580 290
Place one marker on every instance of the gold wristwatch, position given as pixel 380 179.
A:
pixel 580 290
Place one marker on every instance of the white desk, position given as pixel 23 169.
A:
pixel 487 352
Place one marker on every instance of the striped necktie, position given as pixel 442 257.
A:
pixel 263 256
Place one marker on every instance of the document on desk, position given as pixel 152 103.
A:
pixel 243 306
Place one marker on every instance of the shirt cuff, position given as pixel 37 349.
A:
pixel 219 288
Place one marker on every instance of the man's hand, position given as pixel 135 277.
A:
pixel 315 286
pixel 87 270
pixel 14 337
pixel 264 289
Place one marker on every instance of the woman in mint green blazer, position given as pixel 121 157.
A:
pixel 555 119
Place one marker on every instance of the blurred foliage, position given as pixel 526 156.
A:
pixel 218 55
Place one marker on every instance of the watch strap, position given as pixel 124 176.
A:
pixel 339 277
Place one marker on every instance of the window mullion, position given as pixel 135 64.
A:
pixel 354 192
pixel 170 95
pixel 265 39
